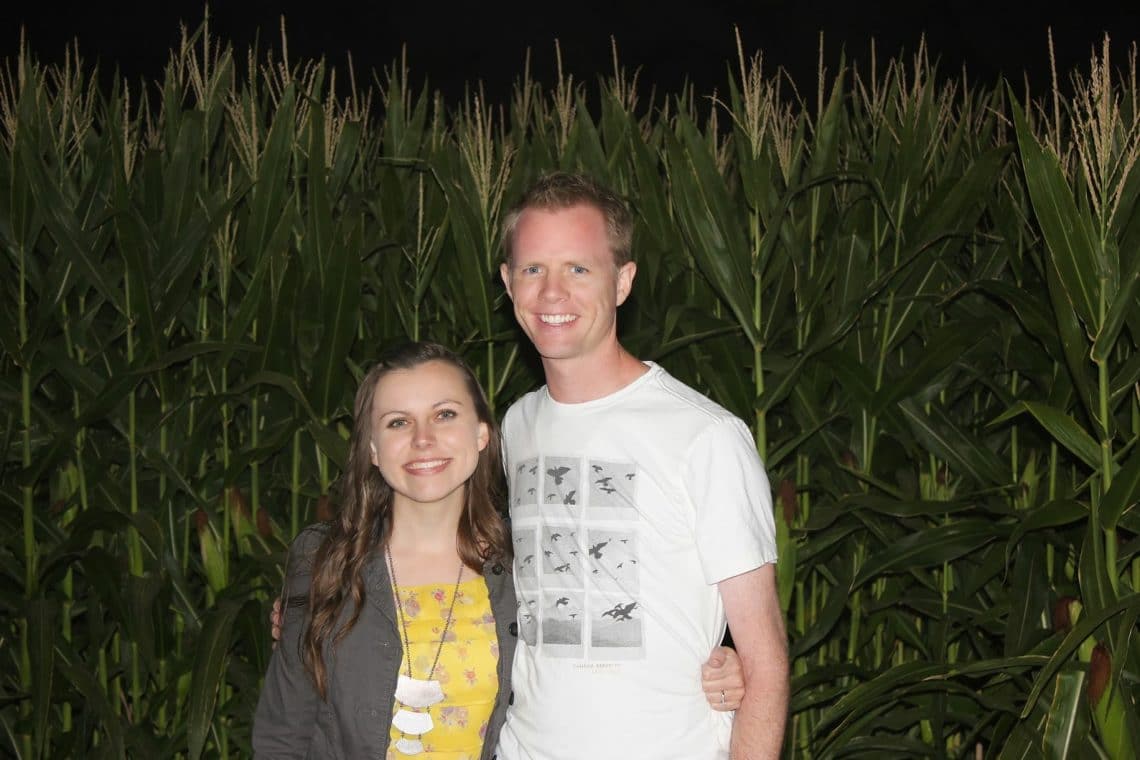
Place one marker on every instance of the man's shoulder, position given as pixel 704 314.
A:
pixel 685 398
pixel 524 403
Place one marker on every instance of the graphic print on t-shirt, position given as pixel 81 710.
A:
pixel 612 558
pixel 528 621
pixel 526 561
pixel 561 556
pixel 612 486
pixel 524 489
pixel 563 623
pixel 561 489
pixel 577 559
pixel 616 625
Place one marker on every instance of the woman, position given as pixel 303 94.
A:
pixel 358 675
pixel 361 676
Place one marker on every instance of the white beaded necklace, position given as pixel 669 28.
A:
pixel 417 692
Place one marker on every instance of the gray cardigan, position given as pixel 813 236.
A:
pixel 291 719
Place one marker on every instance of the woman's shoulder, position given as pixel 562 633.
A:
pixel 307 542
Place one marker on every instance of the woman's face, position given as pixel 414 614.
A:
pixel 426 434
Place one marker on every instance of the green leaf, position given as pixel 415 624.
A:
pixel 210 657
pixel 1028 600
pixel 1090 621
pixel 1093 573
pixel 1068 231
pixel 1123 305
pixel 1061 426
pixel 80 677
pixel 1036 319
pixel 1123 493
pixel 709 223
pixel 41 621
pixel 946 440
pixel 339 317
pixel 927 548
pixel 1067 720
pixel 1051 515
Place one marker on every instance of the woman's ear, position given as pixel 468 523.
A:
pixel 484 435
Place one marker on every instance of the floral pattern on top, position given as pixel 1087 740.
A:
pixel 467 669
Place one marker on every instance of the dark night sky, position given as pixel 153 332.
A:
pixel 455 43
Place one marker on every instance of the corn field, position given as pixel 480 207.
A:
pixel 922 293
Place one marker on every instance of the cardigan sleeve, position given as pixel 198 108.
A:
pixel 287 708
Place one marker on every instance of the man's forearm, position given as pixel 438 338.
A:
pixel 752 606
pixel 758 729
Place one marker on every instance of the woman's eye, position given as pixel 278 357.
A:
pixel 397 423
pixel 447 414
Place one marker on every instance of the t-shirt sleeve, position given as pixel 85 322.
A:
pixel 734 525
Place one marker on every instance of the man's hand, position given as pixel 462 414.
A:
pixel 722 679
pixel 275 621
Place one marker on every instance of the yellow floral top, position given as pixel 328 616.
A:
pixel 466 671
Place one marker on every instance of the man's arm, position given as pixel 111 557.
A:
pixel 752 606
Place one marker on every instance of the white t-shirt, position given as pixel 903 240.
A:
pixel 626 511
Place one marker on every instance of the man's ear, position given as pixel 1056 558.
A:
pixel 625 274
pixel 505 273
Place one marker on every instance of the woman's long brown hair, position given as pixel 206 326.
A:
pixel 364 520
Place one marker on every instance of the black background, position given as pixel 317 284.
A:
pixel 456 43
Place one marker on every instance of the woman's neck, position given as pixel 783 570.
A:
pixel 423 545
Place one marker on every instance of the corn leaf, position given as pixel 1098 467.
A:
pixel 1068 231
pixel 210 658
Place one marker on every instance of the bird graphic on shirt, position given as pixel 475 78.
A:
pixel 604 481
pixel 620 611
pixel 527 559
pixel 596 467
pixel 596 550
pixel 569 498
pixel 630 475
pixel 605 489
pixel 563 568
pixel 558 473
pixel 555 536
pixel 561 601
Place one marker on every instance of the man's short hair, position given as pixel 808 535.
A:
pixel 562 190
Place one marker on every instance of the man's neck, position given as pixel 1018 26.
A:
pixel 575 381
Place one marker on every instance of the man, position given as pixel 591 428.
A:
pixel 641 515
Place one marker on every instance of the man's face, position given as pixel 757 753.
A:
pixel 564 284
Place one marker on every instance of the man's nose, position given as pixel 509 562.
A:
pixel 553 288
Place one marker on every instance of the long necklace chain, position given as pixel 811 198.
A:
pixel 404 622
